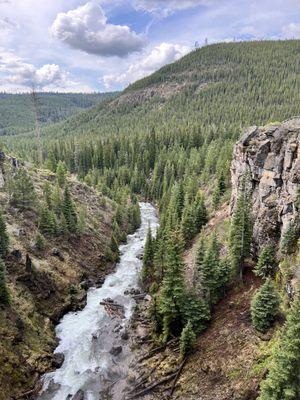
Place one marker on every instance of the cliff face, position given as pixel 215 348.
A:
pixel 271 157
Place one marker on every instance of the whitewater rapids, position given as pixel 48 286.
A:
pixel 86 337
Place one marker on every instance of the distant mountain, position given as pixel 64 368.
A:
pixel 17 112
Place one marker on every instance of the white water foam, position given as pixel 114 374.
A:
pixel 86 337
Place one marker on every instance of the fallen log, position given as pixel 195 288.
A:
pixel 139 296
pixel 153 386
pixel 156 350
pixel 113 309
pixel 144 378
pixel 176 377
pixel 108 303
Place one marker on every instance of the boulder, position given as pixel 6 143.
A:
pixel 125 335
pixel 58 360
pixel 115 351
pixel 17 254
pixel 79 395
pixel 57 253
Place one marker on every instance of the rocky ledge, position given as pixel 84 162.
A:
pixel 271 156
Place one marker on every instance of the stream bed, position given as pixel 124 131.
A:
pixel 95 347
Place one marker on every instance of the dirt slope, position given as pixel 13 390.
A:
pixel 223 364
pixel 45 284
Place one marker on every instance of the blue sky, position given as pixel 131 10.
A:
pixel 102 45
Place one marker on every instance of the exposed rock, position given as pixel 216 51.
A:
pixel 16 253
pixel 116 350
pixel 58 360
pixel 125 335
pixel 271 156
pixel 57 253
pixel 79 395
pixel 132 292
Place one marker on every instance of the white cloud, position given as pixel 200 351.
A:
pixel 166 7
pixel 6 23
pixel 18 72
pixel 159 56
pixel 291 30
pixel 86 28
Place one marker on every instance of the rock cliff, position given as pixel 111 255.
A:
pixel 271 157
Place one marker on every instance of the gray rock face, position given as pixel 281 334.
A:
pixel 58 360
pixel 271 156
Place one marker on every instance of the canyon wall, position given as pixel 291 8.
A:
pixel 270 157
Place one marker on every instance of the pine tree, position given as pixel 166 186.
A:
pixel 114 247
pixel 39 242
pixel 219 190
pixel 155 315
pixel 81 221
pixel 4 295
pixel 209 270
pixel 69 211
pixel 224 274
pixel 21 189
pixel 175 207
pixel 264 306
pixel 47 193
pixel 134 217
pixel 266 262
pixel 172 291
pixel 188 228
pixel 187 339
pixel 148 256
pixel 4 239
pixel 200 252
pixel 47 222
pixel 56 201
pixel 283 379
pixel 290 238
pixel 240 233
pixel 201 216
pixel 61 173
pixel 195 310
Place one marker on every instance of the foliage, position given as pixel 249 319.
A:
pixel 240 232
pixel 21 189
pixel 69 211
pixel 4 239
pixel 219 190
pixel 264 306
pixel 172 291
pixel 196 311
pixel 114 248
pixel 283 379
pixel 4 295
pixel 292 234
pixel 209 270
pixel 17 112
pixel 39 242
pixel 266 262
pixel 187 339
pixel 148 256
pixel 61 173
pixel 47 222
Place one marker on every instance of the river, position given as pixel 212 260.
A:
pixel 87 337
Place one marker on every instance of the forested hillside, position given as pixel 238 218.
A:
pixel 17 110
pixel 169 139
pixel 193 110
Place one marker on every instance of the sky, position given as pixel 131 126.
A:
pixel 104 45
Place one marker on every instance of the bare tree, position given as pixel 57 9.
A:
pixel 36 103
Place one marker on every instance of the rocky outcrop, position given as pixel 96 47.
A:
pixel 271 157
